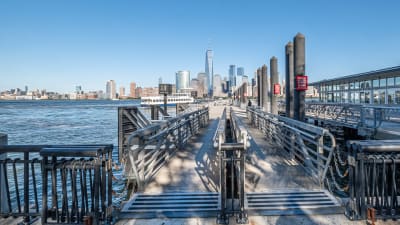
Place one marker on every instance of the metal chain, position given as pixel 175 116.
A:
pixel 341 161
pixel 337 186
pixel 338 172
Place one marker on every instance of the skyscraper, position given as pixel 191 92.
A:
pixel 132 90
pixel 182 81
pixel 121 91
pixel 232 77
pixel 240 71
pixel 217 92
pixel 202 89
pixel 209 72
pixel 111 92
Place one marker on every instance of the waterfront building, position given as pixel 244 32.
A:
pixel 202 90
pixel 132 90
pixel 111 91
pixel 149 91
pixel 209 68
pixel 121 91
pixel 194 84
pixel 217 86
pixel 78 89
pixel 182 80
pixel 138 92
pixel 373 87
pixel 232 77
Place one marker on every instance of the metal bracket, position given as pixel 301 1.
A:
pixel 351 160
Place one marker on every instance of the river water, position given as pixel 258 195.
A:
pixel 64 122
pixel 61 122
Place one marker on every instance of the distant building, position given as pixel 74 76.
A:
pixel 138 92
pixel 202 90
pixel 122 91
pixel 132 90
pixel 209 69
pixel 194 84
pixel 217 86
pixel 149 91
pixel 111 92
pixel 232 77
pixel 182 80
pixel 240 71
pixel 78 89
pixel 373 87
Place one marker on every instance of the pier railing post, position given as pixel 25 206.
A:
pixel 3 204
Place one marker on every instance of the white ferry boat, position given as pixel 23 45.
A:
pixel 171 99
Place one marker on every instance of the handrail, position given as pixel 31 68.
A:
pixel 219 136
pixel 312 146
pixel 374 179
pixel 365 118
pixel 85 168
pixel 231 146
pixel 149 148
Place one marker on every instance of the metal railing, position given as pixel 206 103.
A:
pixel 130 119
pixel 231 140
pixel 365 118
pixel 80 177
pixel 84 174
pixel 342 114
pixel 312 146
pixel 149 148
pixel 374 168
pixel 22 191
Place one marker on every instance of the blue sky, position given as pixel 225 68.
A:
pixel 56 44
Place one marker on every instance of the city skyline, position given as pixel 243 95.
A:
pixel 60 45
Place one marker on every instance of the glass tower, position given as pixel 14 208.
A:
pixel 232 77
pixel 209 72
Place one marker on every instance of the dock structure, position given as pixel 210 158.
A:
pixel 278 189
pixel 217 164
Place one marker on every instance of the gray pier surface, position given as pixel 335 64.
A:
pixel 267 170
pixel 195 170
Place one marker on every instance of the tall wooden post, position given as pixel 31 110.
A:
pixel 289 81
pixel 265 89
pixel 274 81
pixel 299 69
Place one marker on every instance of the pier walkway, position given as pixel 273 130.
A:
pixel 186 189
pixel 192 174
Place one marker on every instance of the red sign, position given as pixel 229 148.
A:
pixel 277 89
pixel 301 83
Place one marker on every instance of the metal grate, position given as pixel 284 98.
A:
pixel 172 205
pixel 292 202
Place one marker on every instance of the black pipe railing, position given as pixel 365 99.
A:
pixel 231 140
pixel 79 177
pixel 20 190
pixel 374 180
